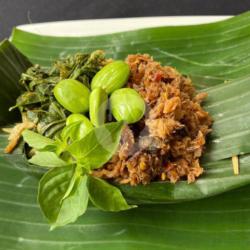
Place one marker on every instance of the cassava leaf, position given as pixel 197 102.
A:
pixel 47 159
pixel 98 146
pixel 105 196
pixel 37 100
pixel 28 99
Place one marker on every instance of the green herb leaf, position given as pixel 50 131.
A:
pixel 76 131
pixel 69 132
pixel 105 196
pixel 74 205
pixel 98 146
pixel 47 159
pixel 58 208
pixel 52 188
pixel 36 140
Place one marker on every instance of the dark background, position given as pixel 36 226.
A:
pixel 14 12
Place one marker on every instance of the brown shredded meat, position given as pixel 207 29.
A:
pixel 15 134
pixel 168 142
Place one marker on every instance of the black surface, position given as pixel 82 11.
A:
pixel 14 12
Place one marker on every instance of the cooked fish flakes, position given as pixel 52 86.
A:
pixel 168 142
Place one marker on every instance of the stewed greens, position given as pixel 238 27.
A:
pixel 37 100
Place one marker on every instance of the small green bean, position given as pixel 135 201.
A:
pixel 72 95
pixel 127 105
pixel 98 101
pixel 111 77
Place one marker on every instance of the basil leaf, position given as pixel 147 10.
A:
pixel 69 132
pixel 74 205
pixel 36 140
pixel 52 188
pixel 74 131
pixel 56 206
pixel 105 196
pixel 98 146
pixel 47 159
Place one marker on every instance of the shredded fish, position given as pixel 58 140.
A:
pixel 168 142
pixel 16 132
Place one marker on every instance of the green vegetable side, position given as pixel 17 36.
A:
pixel 98 101
pixel 111 77
pixel 72 95
pixel 127 105
pixel 87 140
pixel 38 102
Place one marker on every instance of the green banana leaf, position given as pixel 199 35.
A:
pixel 211 54
pixel 218 223
pixel 228 103
pixel 9 77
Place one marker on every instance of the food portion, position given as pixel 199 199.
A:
pixel 93 122
pixel 167 143
pixel 45 97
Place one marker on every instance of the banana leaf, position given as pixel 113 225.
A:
pixel 9 76
pixel 211 54
pixel 228 102
pixel 218 223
